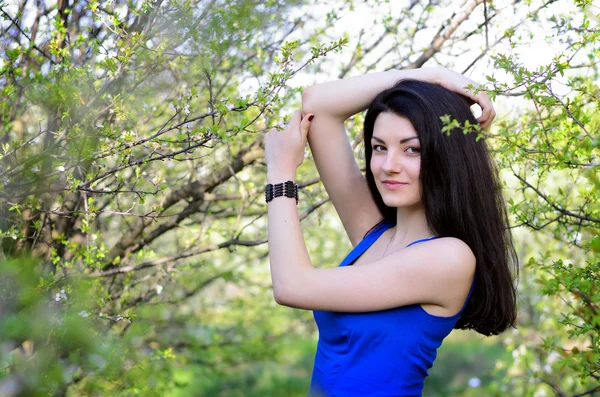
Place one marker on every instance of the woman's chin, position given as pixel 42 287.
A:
pixel 402 204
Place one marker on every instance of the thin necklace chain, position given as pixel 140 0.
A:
pixel 389 241
pixel 388 244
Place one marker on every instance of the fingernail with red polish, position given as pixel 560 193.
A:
pixel 311 117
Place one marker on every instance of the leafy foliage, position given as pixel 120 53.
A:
pixel 132 223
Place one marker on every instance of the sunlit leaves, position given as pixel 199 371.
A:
pixel 551 154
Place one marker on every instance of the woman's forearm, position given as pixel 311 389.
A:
pixel 344 98
pixel 288 255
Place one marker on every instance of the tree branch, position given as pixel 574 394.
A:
pixel 554 205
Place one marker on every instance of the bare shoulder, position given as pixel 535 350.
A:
pixel 455 246
pixel 448 265
pixel 449 255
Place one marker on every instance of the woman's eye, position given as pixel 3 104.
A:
pixel 375 148
pixel 413 150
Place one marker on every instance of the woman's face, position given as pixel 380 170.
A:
pixel 396 158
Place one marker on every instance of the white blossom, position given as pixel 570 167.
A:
pixel 158 289
pixel 552 357
pixel 520 351
pixel 474 382
pixel 60 295
pixel 61 168
pixel 61 68
pixel 129 135
pixel 83 314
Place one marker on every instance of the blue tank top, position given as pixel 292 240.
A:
pixel 376 354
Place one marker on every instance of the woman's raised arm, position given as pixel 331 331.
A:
pixel 332 103
pixel 341 99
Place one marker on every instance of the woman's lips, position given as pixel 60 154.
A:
pixel 394 186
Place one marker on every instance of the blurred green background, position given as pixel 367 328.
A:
pixel 133 251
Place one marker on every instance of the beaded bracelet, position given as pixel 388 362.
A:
pixel 287 189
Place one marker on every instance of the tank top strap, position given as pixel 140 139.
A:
pixel 421 240
pixel 378 230
pixel 470 293
pixel 366 243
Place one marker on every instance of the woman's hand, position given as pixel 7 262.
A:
pixel 284 150
pixel 456 82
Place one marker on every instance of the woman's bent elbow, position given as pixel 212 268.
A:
pixel 306 101
pixel 279 299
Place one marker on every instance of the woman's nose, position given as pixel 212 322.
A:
pixel 392 164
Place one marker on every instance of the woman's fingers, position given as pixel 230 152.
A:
pixel 483 100
pixel 295 123
pixel 487 110
pixel 304 126
pixel 300 125
pixel 284 146
pixel 460 84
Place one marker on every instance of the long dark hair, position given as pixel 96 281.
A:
pixel 461 194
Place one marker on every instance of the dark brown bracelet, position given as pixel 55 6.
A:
pixel 287 189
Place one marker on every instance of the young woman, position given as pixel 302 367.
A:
pixel 432 250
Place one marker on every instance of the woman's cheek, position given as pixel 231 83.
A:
pixel 376 160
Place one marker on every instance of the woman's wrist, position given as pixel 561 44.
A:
pixel 432 74
pixel 280 175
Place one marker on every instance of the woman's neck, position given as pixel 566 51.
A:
pixel 411 225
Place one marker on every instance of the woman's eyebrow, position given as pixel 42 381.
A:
pixel 401 141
